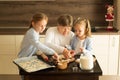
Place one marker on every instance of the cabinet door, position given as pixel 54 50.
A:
pixel 42 38
pixel 7 54
pixel 113 54
pixel 6 64
pixel 7 44
pixel 101 49
pixel 18 41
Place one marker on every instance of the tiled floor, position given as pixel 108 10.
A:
pixel 17 77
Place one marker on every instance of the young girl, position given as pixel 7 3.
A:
pixel 31 44
pixel 82 42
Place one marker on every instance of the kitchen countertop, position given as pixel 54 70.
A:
pixel 21 31
pixel 14 31
pixel 104 31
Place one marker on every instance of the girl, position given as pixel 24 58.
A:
pixel 82 42
pixel 31 44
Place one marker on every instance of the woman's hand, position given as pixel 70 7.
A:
pixel 68 53
pixel 56 57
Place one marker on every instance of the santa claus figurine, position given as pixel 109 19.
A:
pixel 109 17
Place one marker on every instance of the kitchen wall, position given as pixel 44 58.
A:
pixel 117 24
pixel 18 13
pixel 117 14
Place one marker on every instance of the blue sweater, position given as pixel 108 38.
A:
pixel 31 44
pixel 87 44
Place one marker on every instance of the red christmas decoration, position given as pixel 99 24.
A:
pixel 109 16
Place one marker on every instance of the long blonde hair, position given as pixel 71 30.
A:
pixel 79 20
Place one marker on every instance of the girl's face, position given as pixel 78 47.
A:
pixel 40 25
pixel 80 30
pixel 64 30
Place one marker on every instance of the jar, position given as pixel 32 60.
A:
pixel 86 62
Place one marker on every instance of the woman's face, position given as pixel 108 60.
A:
pixel 64 30
pixel 79 30
pixel 40 25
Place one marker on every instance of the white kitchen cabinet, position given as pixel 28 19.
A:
pixel 7 54
pixel 7 44
pixel 106 48
pixel 18 40
pixel 6 64
pixel 100 50
pixel 113 55
pixel 42 38
pixel 119 64
pixel 9 49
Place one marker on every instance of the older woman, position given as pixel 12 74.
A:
pixel 58 37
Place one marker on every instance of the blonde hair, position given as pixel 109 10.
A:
pixel 87 22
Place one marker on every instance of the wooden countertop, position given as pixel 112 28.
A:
pixel 15 31
pixel 21 31
pixel 104 31
pixel 10 31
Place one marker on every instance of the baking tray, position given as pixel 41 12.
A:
pixel 32 64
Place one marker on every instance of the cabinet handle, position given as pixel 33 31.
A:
pixel 113 42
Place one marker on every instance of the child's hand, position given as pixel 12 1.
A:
pixel 44 57
pixel 72 53
pixel 81 49
pixel 56 57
